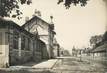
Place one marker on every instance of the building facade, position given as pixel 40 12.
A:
pixel 56 48
pixel 44 30
pixel 19 46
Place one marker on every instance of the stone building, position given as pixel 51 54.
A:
pixel 18 46
pixel 56 48
pixel 44 30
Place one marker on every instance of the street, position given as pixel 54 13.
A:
pixel 64 65
pixel 77 65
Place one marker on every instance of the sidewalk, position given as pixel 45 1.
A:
pixel 49 64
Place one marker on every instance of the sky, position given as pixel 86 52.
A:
pixel 73 26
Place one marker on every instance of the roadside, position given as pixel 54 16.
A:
pixel 99 64
pixel 46 64
pixel 43 67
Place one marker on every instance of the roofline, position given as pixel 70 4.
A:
pixel 33 19
pixel 12 23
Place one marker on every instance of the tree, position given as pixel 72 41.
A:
pixel 68 3
pixel 7 6
pixel 96 40
pixel 105 37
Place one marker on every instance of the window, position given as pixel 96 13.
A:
pixel 11 41
pixel 38 46
pixel 23 42
pixel 15 40
pixel 27 43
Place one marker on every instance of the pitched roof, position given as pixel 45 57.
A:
pixel 33 19
pixel 4 23
pixel 101 48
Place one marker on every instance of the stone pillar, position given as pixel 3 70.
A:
pixel 48 50
pixel 50 40
pixel 19 45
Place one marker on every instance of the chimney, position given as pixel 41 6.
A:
pixel 37 13
pixel 26 19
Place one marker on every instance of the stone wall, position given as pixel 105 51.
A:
pixel 37 57
pixel 15 58
pixel 20 46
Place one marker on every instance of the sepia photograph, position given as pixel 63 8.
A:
pixel 53 36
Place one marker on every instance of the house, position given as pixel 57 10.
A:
pixel 100 51
pixel 44 30
pixel 19 46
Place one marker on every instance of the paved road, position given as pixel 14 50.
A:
pixel 75 65
pixel 66 65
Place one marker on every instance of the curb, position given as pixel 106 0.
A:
pixel 54 64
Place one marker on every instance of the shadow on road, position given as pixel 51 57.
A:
pixel 27 71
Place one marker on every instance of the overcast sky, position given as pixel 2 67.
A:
pixel 73 26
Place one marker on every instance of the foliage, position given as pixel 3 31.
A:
pixel 105 36
pixel 96 40
pixel 7 6
pixel 68 3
